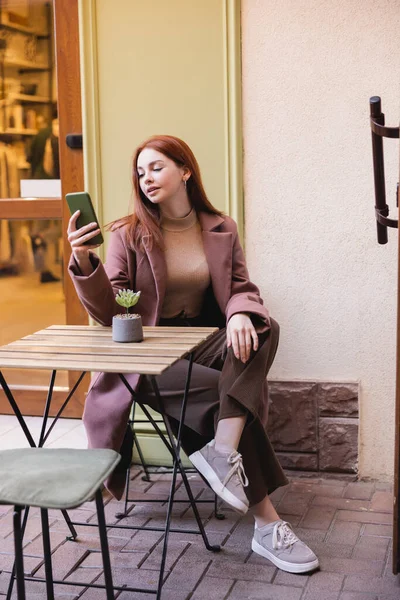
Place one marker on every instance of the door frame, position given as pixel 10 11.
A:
pixel 66 37
pixel 396 504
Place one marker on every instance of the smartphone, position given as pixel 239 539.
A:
pixel 82 201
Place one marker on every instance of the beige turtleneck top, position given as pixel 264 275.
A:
pixel 188 276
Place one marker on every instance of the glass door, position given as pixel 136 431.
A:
pixel 34 292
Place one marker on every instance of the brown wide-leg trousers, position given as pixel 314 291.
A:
pixel 222 386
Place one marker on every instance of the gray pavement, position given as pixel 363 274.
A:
pixel 347 523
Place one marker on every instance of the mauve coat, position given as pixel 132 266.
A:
pixel 108 402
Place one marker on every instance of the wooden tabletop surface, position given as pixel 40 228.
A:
pixel 90 348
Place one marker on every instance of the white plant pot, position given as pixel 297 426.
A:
pixel 127 329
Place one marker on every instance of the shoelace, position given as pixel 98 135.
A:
pixel 235 459
pixel 283 536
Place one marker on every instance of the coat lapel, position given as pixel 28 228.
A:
pixel 218 251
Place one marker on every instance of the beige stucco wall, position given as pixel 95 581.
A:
pixel 309 69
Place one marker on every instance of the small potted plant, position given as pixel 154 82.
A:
pixel 127 327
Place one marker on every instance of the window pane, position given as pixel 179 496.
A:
pixel 31 290
pixel 28 101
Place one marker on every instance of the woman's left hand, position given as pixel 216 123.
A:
pixel 241 335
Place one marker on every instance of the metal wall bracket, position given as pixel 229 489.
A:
pixel 379 131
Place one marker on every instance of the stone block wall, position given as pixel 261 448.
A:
pixel 313 426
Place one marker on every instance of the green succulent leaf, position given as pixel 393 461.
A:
pixel 127 298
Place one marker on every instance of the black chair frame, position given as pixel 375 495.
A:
pixel 172 443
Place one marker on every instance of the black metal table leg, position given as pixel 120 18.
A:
pixel 47 408
pixel 170 445
pixel 16 410
pixel 19 557
pixel 104 546
pixel 61 410
pixel 44 515
pixel 176 451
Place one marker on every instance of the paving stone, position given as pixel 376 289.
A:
pixel 175 550
pixel 81 575
pixel 4 509
pixel 294 520
pixel 290 579
pixel 332 550
pixel 359 490
pixel 234 552
pixel 143 541
pixel 370 584
pixel 319 489
pixel 382 502
pixel 93 593
pixel 364 517
pixel 7 545
pixel 344 533
pixel 33 528
pixel 384 487
pixel 343 503
pixel 278 494
pixel 224 526
pixel 318 517
pixel 31 564
pixel 37 591
pixel 352 566
pixel 263 591
pixel 119 560
pixel 4 581
pixel 208 589
pixel 301 477
pixel 380 530
pixel 310 536
pixel 67 558
pixel 92 542
pixel 323 582
pixel 246 572
pixel 388 571
pixel 35 548
pixel 357 596
pixel 167 594
pixel 371 548
pixel 186 573
pixel 295 503
pixel 316 595
pixel 145 578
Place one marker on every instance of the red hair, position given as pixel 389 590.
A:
pixel 145 220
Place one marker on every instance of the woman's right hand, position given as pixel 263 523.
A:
pixel 77 239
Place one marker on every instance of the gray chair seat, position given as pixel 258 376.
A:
pixel 53 478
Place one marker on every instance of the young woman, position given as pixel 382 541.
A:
pixel 185 257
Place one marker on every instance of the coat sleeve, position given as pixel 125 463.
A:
pixel 97 291
pixel 245 295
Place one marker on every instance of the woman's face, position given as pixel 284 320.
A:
pixel 160 179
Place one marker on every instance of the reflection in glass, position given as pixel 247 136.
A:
pixel 28 95
pixel 31 290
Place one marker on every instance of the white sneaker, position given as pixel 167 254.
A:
pixel 277 542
